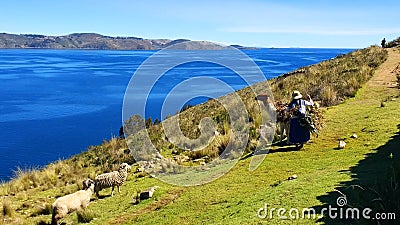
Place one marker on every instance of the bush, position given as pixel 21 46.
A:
pixel 85 216
pixel 7 208
pixel 44 209
pixel 328 96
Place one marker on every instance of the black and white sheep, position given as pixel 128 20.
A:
pixel 148 193
pixel 112 179
pixel 72 202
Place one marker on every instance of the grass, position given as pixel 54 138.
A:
pixel 235 197
pixel 85 216
pixel 7 208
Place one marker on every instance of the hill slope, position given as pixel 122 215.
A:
pixel 236 197
pixel 97 41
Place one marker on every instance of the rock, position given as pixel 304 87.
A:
pixel 341 144
pixel 354 136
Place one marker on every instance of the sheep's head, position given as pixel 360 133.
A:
pixel 88 183
pixel 125 166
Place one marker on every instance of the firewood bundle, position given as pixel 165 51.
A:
pixel 314 112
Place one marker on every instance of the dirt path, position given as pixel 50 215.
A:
pixel 385 75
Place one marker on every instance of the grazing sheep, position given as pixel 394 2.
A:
pixel 72 202
pixel 148 193
pixel 112 179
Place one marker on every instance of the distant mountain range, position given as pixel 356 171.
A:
pixel 98 41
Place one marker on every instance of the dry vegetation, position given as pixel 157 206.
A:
pixel 332 81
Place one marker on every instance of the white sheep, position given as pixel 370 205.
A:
pixel 112 179
pixel 72 202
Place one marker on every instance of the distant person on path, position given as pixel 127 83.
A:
pixel 298 132
pixel 383 43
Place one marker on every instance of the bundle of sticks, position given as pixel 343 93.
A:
pixel 314 115
pixel 314 112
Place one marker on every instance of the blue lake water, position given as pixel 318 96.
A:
pixel 56 103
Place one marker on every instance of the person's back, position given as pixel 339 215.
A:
pixel 300 105
pixel 298 134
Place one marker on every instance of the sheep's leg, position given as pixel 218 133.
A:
pixel 112 191
pixel 54 220
pixel 119 190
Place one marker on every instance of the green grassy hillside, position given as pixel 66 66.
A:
pixel 371 112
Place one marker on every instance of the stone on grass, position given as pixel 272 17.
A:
pixel 341 145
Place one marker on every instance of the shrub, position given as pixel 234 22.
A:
pixel 7 208
pixel 85 216
pixel 44 209
pixel 328 96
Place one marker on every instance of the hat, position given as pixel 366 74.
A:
pixel 296 95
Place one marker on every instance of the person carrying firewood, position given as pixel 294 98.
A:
pixel 299 132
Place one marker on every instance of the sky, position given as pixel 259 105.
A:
pixel 258 23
